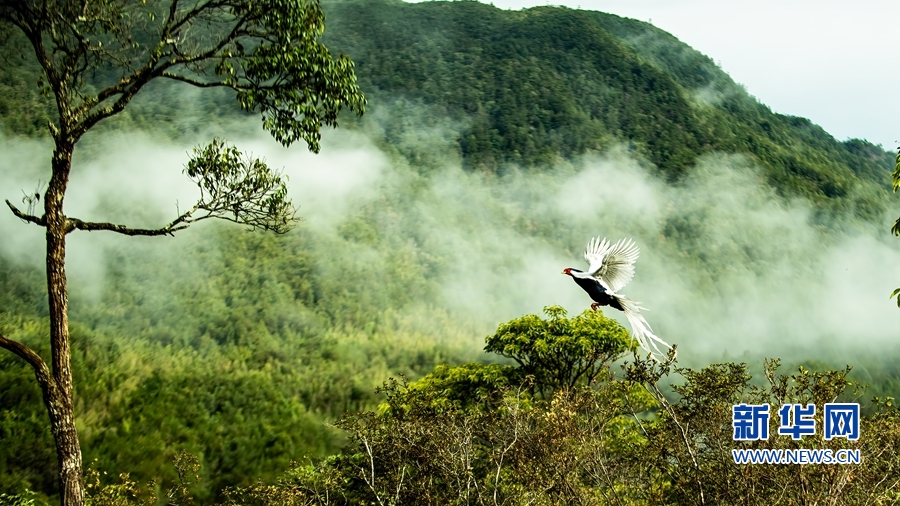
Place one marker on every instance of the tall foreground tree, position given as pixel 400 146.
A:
pixel 95 56
pixel 895 180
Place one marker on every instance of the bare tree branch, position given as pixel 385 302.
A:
pixel 26 217
pixel 170 229
pixel 27 354
pixel 193 82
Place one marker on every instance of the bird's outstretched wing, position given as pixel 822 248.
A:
pixel 612 265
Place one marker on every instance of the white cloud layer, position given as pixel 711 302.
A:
pixel 747 274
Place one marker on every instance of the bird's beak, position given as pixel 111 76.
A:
pixel 563 272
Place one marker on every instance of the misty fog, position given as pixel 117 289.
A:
pixel 727 268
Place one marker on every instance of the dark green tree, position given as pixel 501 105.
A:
pixel 487 433
pixel 895 179
pixel 559 352
pixel 95 57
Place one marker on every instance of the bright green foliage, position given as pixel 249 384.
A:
pixel 594 446
pixel 103 54
pixel 246 345
pixel 289 76
pixel 466 385
pixel 25 499
pixel 560 352
pixel 552 354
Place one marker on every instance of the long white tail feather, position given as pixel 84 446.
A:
pixel 640 329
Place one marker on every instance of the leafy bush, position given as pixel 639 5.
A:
pixel 617 440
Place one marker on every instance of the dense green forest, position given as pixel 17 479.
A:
pixel 543 83
pixel 495 145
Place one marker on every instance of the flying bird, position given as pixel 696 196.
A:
pixel 610 268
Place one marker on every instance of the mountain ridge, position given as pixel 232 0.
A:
pixel 534 87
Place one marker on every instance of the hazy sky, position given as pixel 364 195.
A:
pixel 836 62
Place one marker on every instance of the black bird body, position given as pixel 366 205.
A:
pixel 610 268
pixel 596 291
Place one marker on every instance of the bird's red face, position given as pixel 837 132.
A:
pixel 567 271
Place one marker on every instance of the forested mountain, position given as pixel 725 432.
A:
pixel 549 82
pixel 533 86
pixel 496 143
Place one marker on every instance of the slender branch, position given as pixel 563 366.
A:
pixel 656 392
pixel 371 483
pixel 173 9
pixel 28 355
pixel 141 78
pixel 192 82
pixel 26 217
pixel 180 223
pixel 188 16
pixel 76 224
pixel 129 86
pixel 633 413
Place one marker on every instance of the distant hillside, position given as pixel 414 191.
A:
pixel 548 82
pixel 529 87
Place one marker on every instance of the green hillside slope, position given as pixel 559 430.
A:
pixel 543 83
pixel 533 86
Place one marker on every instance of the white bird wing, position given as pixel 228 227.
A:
pixel 612 265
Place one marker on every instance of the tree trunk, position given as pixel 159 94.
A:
pixel 58 396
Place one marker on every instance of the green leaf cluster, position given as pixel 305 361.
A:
pixel 240 188
pixel 293 80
